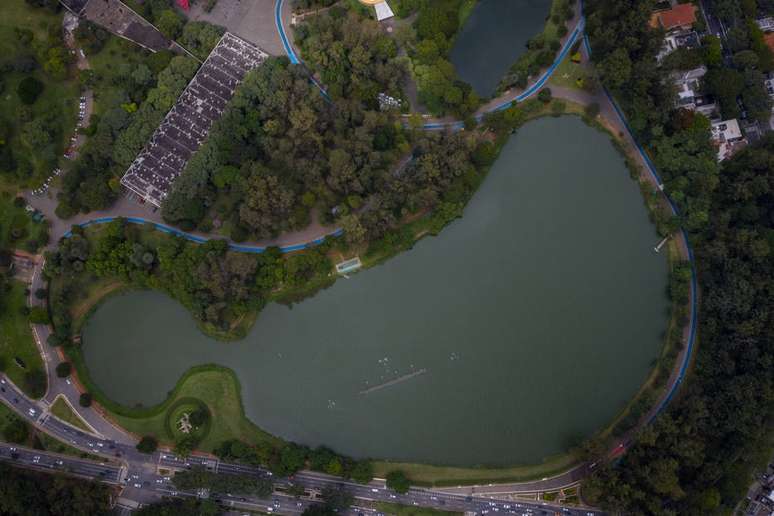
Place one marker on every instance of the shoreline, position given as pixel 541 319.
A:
pixel 553 465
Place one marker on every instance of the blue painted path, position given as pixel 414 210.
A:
pixel 694 290
pixel 200 240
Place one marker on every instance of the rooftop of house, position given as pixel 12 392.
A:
pixel 726 130
pixel 679 16
pixel 769 39
pixel 728 138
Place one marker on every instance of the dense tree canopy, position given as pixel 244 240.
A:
pixel 697 457
pixel 119 135
pixel 23 493
pixel 351 55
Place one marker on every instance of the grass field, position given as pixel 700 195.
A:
pixel 219 389
pixel 62 410
pixel 428 475
pixel 13 217
pixel 409 510
pixel 59 98
pixel 16 337
pixel 571 75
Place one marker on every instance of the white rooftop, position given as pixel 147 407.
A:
pixel 726 130
pixel 383 11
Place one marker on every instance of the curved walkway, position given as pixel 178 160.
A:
pixel 283 36
pixel 686 251
pixel 575 474
pixel 201 239
pixel 503 102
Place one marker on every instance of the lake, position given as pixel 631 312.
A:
pixel 493 38
pixel 535 318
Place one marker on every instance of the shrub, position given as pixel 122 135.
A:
pixel 38 315
pixel 85 400
pixel 54 340
pixel 398 481
pixel 362 472
pixel 147 444
pixel 592 110
pixel 16 431
pixel 29 90
pixel 199 417
pixel 41 293
pixel 64 369
pixel 544 95
pixel 185 445
pixel 35 381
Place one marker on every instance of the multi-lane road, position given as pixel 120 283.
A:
pixel 147 478
pixel 106 471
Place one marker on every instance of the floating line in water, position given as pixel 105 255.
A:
pixel 398 380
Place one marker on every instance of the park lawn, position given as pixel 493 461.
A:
pixel 15 217
pixel 62 410
pixel 409 510
pixel 59 98
pixel 16 337
pixel 219 389
pixel 428 475
pixel 567 74
pixel 87 293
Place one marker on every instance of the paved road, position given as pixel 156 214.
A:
pixel 55 463
pixel 112 436
pixel 140 474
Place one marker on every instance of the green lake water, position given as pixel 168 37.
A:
pixel 493 38
pixel 536 316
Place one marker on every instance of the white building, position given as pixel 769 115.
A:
pixel 383 11
pixel 766 24
pixel 728 138
pixel 689 96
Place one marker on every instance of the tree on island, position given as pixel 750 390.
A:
pixel 199 417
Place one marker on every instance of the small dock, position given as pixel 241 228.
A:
pixel 395 381
pixel 348 266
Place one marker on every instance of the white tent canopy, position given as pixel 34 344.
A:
pixel 383 11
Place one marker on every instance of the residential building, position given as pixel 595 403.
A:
pixel 728 138
pixel 689 94
pixel 679 17
pixel 677 22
